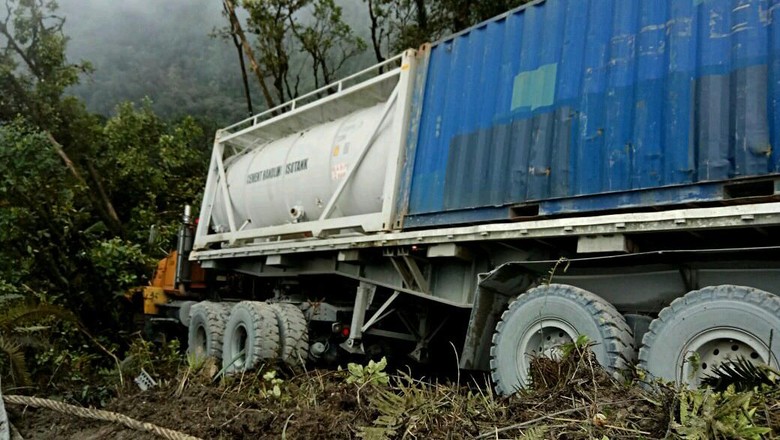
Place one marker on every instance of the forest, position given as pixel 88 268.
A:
pixel 107 116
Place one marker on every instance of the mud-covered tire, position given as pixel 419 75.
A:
pixel 185 310
pixel 566 310
pixel 206 329
pixel 293 334
pixel 253 328
pixel 711 321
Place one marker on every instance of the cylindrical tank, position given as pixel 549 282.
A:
pixel 292 179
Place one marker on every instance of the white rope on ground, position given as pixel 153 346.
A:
pixel 96 414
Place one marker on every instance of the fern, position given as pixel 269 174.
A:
pixel 404 407
pixel 536 433
pixel 706 414
pixel 742 375
pixel 16 333
pixel 16 363
pixel 21 314
pixel 391 408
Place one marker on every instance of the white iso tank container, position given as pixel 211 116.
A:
pixel 292 179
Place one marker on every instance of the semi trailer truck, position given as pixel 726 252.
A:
pixel 572 167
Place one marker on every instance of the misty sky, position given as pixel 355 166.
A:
pixel 99 25
pixel 157 48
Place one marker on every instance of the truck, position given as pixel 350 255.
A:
pixel 601 168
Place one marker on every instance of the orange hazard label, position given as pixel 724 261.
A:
pixel 338 171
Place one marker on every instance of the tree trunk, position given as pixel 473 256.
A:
pixel 422 15
pixel 102 204
pixel 244 78
pixel 375 38
pixel 235 26
pixel 102 192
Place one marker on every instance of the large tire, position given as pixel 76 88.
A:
pixel 709 326
pixel 547 316
pixel 252 328
pixel 293 334
pixel 206 329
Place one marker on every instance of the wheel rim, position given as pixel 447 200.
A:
pixel 543 339
pixel 705 353
pixel 200 340
pixel 238 346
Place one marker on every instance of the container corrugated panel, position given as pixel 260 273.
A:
pixel 568 98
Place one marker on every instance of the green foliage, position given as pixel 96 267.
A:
pixel 579 346
pixel 20 328
pixel 706 414
pixel 159 360
pixel 159 168
pixel 540 433
pixel 410 408
pixel 402 24
pixel 120 261
pixel 741 374
pixel 33 69
pixel 271 387
pixel 328 40
pixel 73 370
pixel 371 374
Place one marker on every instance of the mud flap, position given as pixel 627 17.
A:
pixel 494 290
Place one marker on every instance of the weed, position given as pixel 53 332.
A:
pixel 371 374
pixel 271 386
pixel 706 414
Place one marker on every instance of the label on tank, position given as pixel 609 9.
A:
pixel 266 174
pixel 298 165
pixel 273 172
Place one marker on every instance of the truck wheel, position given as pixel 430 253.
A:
pixel 293 334
pixel 206 329
pixel 695 333
pixel 538 322
pixel 251 337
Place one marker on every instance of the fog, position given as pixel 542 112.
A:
pixel 162 49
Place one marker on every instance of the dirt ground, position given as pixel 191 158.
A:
pixel 208 411
pixel 573 399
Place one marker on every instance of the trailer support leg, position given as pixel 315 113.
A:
pixel 363 298
pixel 426 333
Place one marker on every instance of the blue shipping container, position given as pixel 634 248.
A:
pixel 580 105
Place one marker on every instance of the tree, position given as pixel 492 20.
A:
pixel 77 193
pixel 329 42
pixel 397 25
pixel 292 34
pixel 33 69
pixel 237 34
pixel 34 74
